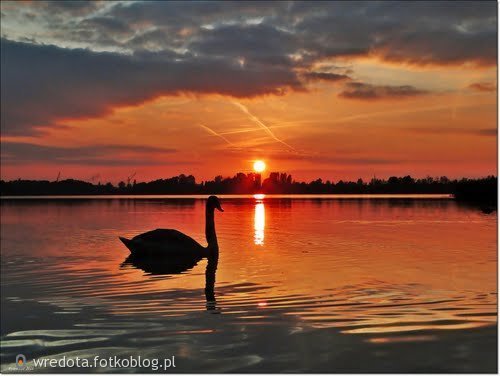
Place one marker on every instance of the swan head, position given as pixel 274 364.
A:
pixel 214 203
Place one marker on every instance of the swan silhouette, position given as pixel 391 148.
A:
pixel 173 244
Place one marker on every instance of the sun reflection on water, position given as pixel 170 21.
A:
pixel 259 219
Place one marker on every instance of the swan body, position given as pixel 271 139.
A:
pixel 173 244
pixel 162 241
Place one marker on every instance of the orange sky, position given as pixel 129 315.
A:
pixel 444 125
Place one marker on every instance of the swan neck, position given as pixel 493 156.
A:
pixel 210 227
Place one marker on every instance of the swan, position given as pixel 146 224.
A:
pixel 174 244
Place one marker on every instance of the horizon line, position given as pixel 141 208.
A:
pixel 259 174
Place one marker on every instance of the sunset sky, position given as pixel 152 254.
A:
pixel 337 90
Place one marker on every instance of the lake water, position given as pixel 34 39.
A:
pixel 303 284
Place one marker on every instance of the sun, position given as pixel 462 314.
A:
pixel 259 166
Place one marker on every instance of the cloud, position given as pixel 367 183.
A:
pixel 421 32
pixel 363 91
pixel 83 58
pixel 439 47
pixel 106 25
pixel 43 84
pixel 483 86
pixel 72 8
pixel 490 132
pixel 325 76
pixel 260 44
pixel 105 155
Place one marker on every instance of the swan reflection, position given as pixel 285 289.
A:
pixel 155 266
pixel 210 273
pixel 259 220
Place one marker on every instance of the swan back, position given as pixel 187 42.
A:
pixel 165 242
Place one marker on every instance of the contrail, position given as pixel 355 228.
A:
pixel 211 131
pixel 247 130
pixel 391 112
pixel 255 119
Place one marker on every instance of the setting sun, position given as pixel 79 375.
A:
pixel 259 166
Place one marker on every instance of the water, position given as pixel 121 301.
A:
pixel 306 283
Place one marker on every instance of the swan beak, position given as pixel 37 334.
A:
pixel 218 207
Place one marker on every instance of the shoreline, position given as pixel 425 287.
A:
pixel 258 196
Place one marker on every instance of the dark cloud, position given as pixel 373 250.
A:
pixel 260 43
pixel 150 39
pixel 44 84
pixel 235 48
pixel 179 14
pixel 439 47
pixel 109 155
pixel 465 131
pixel 72 8
pixel 487 132
pixel 106 25
pixel 483 86
pixel 325 76
pixel 418 33
pixel 360 90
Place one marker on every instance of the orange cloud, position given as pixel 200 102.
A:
pixel 483 86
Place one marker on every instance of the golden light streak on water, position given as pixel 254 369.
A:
pixel 259 220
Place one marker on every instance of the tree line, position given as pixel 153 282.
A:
pixel 276 183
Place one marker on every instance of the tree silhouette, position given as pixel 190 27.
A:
pixel 475 190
